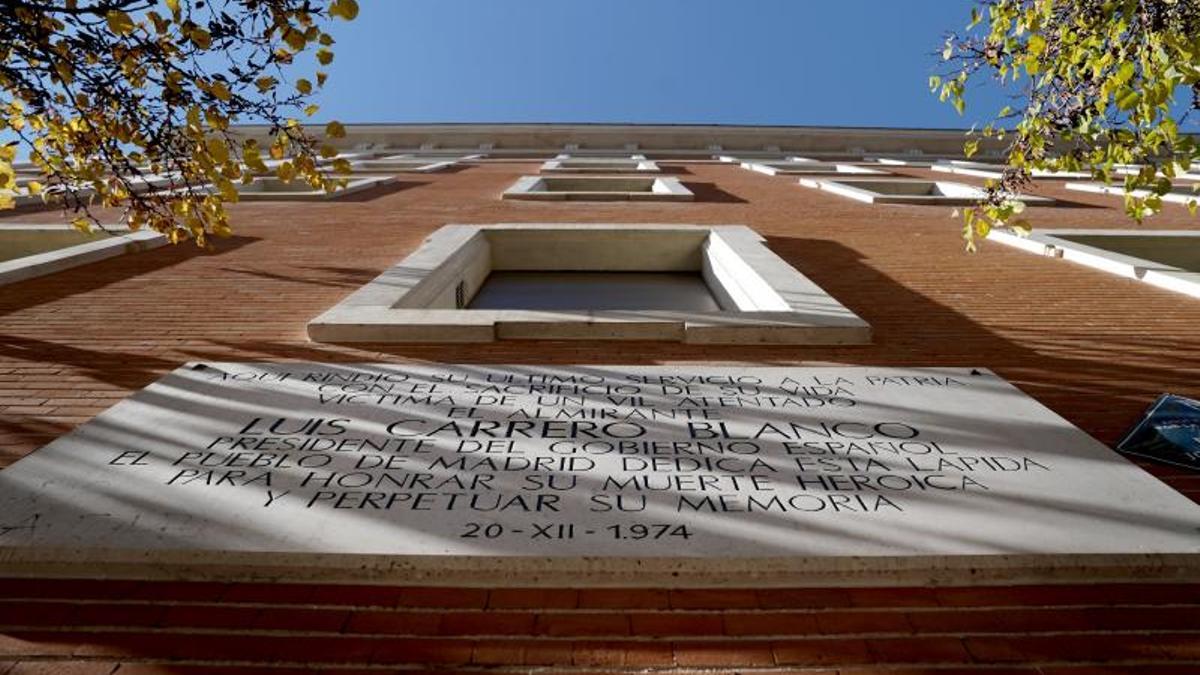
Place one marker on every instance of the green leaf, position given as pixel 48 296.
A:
pixel 1036 45
pixel 1128 99
pixel 1125 72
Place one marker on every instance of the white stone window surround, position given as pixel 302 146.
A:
pixel 101 247
pixel 599 188
pixel 1129 169
pixel 23 198
pixel 146 182
pixel 571 164
pixel 760 157
pixel 765 300
pixel 909 191
pixel 989 170
pixel 1179 194
pixel 271 188
pixel 1055 244
pixel 915 161
pixel 409 162
pixel 799 166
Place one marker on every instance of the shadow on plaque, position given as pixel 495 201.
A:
pixel 1168 432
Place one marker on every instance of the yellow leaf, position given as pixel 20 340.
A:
pixel 344 9
pixel 265 84
pixel 311 109
pixel 252 156
pixel 341 165
pixel 173 5
pixel 34 187
pixel 193 120
pixel 7 201
pixel 217 150
pixel 82 224
pixel 304 86
pixel 335 130
pixel 200 38
pixel 286 172
pixel 228 192
pixel 294 39
pixel 119 22
pixel 324 56
pixel 220 91
pixel 216 120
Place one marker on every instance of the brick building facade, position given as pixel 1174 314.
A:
pixel 1093 347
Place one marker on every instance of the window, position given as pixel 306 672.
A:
pixel 685 283
pixel 28 251
pixel 907 191
pixel 596 188
pixel 1168 259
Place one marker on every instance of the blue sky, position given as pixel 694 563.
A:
pixel 818 62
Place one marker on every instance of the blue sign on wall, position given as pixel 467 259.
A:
pixel 1168 432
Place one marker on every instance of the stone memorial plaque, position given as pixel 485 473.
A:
pixel 636 462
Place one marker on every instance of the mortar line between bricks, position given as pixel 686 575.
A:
pixel 603 637
pixel 602 610
pixel 905 666
pixel 525 669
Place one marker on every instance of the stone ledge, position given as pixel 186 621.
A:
pixel 595 188
pixel 909 191
pixel 568 164
pixel 810 167
pixel 357 183
pixel 763 299
pixel 1056 244
pixel 1179 194
pixel 599 572
pixel 41 264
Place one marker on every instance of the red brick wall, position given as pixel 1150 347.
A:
pixel 141 627
pixel 1091 346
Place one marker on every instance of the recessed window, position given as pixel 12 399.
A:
pixel 20 194
pixel 598 282
pixel 1168 259
pixel 1179 194
pixel 569 164
pixel 989 170
pixel 597 188
pixel 270 188
pixel 1180 174
pixel 596 291
pixel 411 163
pixel 907 191
pixel 809 168
pixel 28 251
